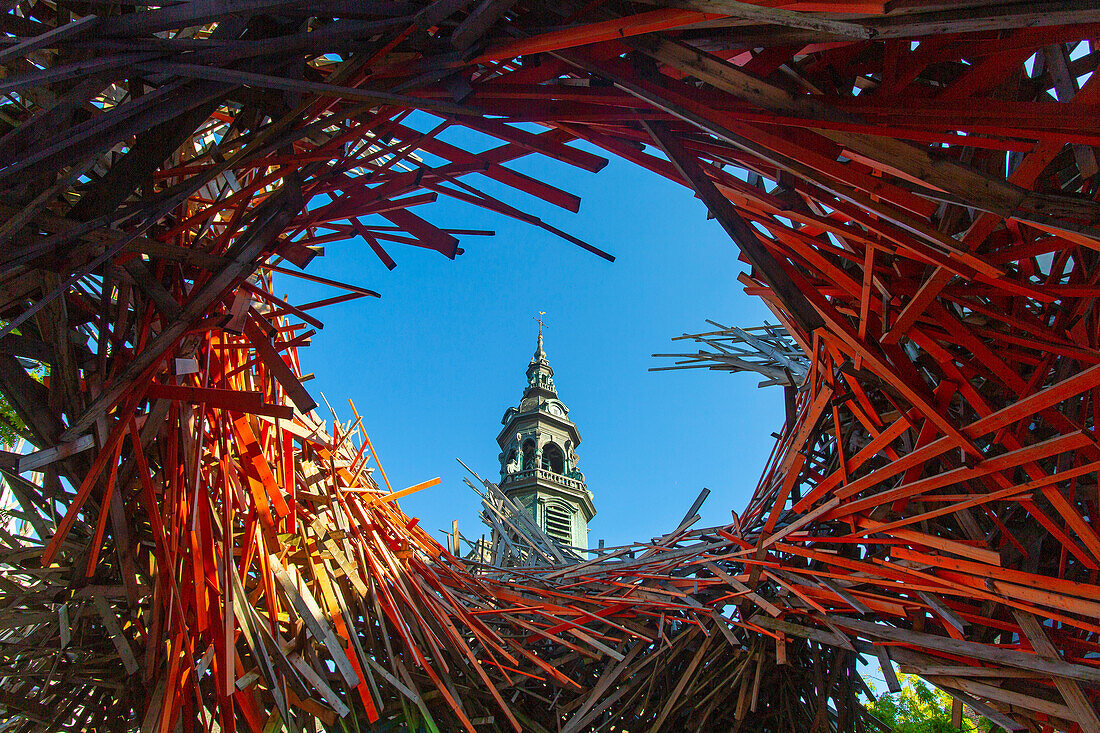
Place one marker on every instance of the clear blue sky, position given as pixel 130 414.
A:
pixel 433 365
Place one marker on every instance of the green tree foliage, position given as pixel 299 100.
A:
pixel 10 424
pixel 921 708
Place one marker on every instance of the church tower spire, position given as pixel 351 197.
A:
pixel 538 459
pixel 540 375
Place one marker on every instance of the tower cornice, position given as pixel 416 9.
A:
pixel 532 418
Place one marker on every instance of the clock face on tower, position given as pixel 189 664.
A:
pixel 555 409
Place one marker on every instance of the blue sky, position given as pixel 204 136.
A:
pixel 433 365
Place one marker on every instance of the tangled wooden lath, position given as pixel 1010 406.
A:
pixel 912 184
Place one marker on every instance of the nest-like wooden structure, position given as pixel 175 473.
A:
pixel 191 545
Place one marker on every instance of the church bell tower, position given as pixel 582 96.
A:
pixel 538 459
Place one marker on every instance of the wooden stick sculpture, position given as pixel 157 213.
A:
pixel 912 187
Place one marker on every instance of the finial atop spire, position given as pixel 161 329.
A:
pixel 539 353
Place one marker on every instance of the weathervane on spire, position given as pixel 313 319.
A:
pixel 540 355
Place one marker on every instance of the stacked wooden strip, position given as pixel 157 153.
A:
pixel 767 350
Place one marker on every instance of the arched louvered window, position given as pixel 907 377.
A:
pixel 552 459
pixel 559 523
